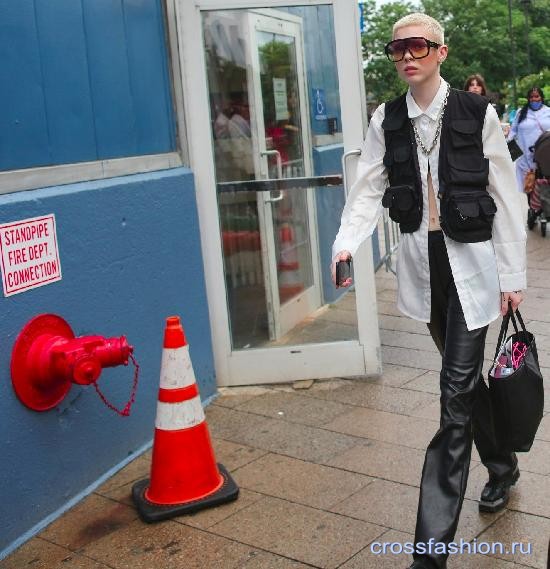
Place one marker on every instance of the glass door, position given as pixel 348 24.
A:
pixel 278 90
pixel 267 152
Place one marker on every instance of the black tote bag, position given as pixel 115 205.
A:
pixel 517 400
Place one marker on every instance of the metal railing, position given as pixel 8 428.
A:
pixel 390 233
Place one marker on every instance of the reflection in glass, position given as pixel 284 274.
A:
pixel 280 94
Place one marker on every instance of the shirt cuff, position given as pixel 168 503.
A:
pixel 342 244
pixel 513 282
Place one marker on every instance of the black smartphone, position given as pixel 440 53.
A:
pixel 343 271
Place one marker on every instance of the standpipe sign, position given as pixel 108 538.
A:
pixel 30 257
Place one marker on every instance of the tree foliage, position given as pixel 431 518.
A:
pixel 477 34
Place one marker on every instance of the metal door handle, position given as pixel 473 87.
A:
pixel 345 157
pixel 277 155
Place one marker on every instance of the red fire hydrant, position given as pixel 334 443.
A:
pixel 47 359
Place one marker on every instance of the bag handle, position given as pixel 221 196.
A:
pixel 502 334
pixel 504 327
pixel 520 320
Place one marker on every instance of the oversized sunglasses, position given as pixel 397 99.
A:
pixel 418 47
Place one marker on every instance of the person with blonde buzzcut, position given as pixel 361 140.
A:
pixel 436 157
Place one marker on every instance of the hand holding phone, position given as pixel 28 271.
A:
pixel 343 272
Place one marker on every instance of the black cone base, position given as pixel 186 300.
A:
pixel 150 512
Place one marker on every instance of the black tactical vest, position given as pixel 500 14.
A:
pixel 467 210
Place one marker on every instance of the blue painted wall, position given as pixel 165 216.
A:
pixel 83 80
pixel 130 256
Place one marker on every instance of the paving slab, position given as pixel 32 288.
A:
pixel 394 505
pixel 294 407
pixel 392 375
pixel 381 397
pixel 39 553
pixel 516 527
pixel 422 359
pixel 229 424
pixel 374 556
pixel 532 495
pixel 427 382
pixel 537 460
pixel 387 322
pixel 383 460
pixel 262 560
pixel 543 432
pixel 301 482
pixel 383 503
pixel 168 545
pixel 431 411
pixel 408 340
pixel 388 308
pixel 386 427
pixel 479 561
pixel 205 519
pixel 90 520
pixel 233 396
pixel 281 437
pixel 233 455
pixel 305 534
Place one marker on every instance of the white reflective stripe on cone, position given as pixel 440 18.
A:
pixel 176 369
pixel 175 416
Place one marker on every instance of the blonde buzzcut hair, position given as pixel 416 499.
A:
pixel 418 19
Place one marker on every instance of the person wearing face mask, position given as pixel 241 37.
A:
pixel 436 157
pixel 476 84
pixel 531 121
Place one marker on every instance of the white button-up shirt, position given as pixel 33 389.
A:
pixel 480 270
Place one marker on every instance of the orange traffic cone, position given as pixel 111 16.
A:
pixel 184 474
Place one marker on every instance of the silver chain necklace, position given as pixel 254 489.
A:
pixel 425 150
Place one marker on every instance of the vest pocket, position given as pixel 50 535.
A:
pixel 401 202
pixel 467 216
pixel 463 133
pixel 468 169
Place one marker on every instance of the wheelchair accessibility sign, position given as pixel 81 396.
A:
pixel 319 105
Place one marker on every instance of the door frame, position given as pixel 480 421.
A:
pixel 247 367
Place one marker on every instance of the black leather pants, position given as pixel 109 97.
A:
pixel 465 414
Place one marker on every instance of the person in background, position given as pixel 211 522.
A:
pixel 476 84
pixel 425 151
pixel 530 122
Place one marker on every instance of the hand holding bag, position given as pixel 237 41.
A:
pixel 529 181
pixel 517 399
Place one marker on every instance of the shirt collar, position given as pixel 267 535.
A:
pixel 435 106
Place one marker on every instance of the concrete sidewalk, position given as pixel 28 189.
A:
pixel 324 472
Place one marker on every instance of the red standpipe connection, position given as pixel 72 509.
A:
pixel 47 359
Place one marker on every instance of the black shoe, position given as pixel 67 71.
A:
pixel 496 493
pixel 420 564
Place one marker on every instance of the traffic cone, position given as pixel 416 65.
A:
pixel 184 474
pixel 290 279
